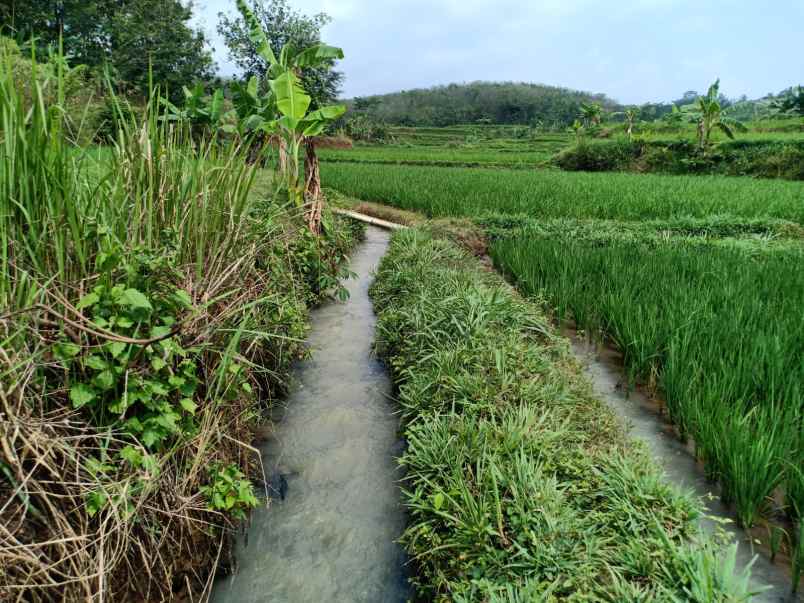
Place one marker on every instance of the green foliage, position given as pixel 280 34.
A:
pixel 517 481
pixel 363 128
pixel 229 491
pixel 281 26
pixel 482 102
pixel 760 158
pixel 201 111
pixel 147 389
pixel 708 114
pixel 136 39
pixel 295 120
pixel 792 102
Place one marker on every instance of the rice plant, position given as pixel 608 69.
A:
pixel 467 192
pixel 717 322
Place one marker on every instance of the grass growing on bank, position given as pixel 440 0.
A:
pixel 715 324
pixel 474 192
pixel 521 486
pixel 150 302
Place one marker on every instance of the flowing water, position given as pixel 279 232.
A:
pixel 330 528
pixel 646 423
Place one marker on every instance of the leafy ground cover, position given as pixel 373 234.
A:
pixel 520 485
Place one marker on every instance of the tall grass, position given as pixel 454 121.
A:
pixel 521 486
pixel 716 327
pixel 473 192
pixel 149 302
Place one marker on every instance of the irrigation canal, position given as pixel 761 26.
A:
pixel 330 530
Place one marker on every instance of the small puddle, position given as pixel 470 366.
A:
pixel 602 368
pixel 330 530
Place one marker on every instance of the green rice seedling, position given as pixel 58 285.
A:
pixel 544 194
pixel 797 556
pixel 775 539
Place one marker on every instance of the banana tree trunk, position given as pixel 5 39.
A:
pixel 283 156
pixel 312 188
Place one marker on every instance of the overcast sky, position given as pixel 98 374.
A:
pixel 633 50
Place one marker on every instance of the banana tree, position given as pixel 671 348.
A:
pixel 675 117
pixel 631 119
pixel 296 125
pixel 578 129
pixel 591 113
pixel 709 116
pixel 200 110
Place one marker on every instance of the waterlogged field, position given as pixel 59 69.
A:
pixel 547 194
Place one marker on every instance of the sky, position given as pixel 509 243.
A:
pixel 635 51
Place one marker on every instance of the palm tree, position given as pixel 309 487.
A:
pixel 709 115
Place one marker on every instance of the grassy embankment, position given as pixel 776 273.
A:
pixel 520 485
pixel 152 298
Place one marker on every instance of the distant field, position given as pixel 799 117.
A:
pixel 458 146
pixel 441 156
pixel 471 192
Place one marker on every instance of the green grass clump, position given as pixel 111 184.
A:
pixel 715 324
pixel 542 194
pixel 520 485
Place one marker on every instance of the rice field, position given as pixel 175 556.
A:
pixel 547 194
pixel 716 326
pixel 697 280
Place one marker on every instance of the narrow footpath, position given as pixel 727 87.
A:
pixel 329 531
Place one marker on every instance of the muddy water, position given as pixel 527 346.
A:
pixel 602 367
pixel 329 531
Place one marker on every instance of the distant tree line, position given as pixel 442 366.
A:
pixel 539 105
pixel 479 102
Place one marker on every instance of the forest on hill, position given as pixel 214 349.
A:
pixel 520 103
pixel 491 102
